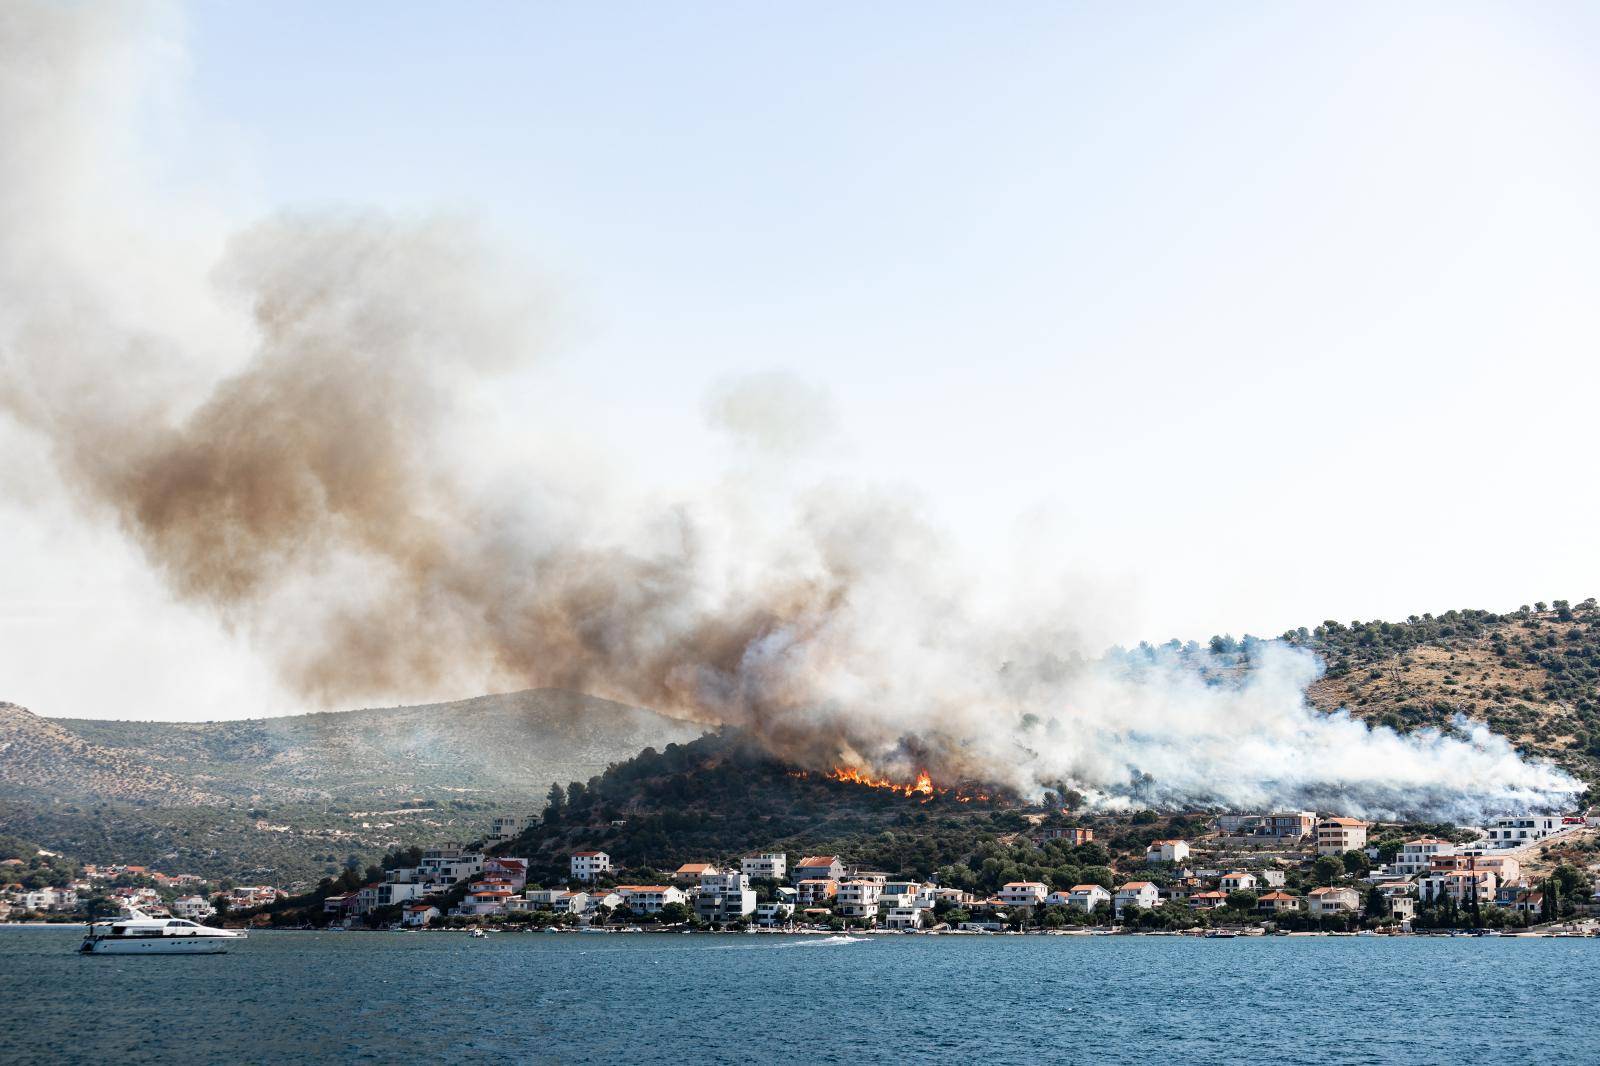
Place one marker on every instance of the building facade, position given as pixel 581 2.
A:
pixel 768 866
pixel 587 865
pixel 1335 836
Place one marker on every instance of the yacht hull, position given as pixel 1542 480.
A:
pixel 158 945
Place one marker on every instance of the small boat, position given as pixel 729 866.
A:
pixel 1221 934
pixel 140 934
pixel 478 933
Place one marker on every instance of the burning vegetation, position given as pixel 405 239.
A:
pixel 923 787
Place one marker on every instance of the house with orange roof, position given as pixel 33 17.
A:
pixel 1087 897
pixel 512 869
pixel 819 867
pixel 1463 886
pixel 418 915
pixel 649 899
pixel 587 865
pixel 1136 894
pixel 1208 901
pixel 1277 902
pixel 1337 900
pixel 1024 893
pixel 1239 880
pixel 816 891
pixel 1167 851
pixel 690 873
pixel 1335 836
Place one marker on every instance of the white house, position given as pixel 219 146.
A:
pixel 1087 897
pixel 194 908
pixel 690 873
pixel 42 899
pixel 904 894
pixel 1239 879
pixel 418 915
pixel 558 900
pixel 1167 851
pixel 587 865
pixel 1276 902
pixel 859 899
pixel 724 897
pixel 768 866
pixel 446 864
pixel 1460 885
pixel 771 914
pixel 1515 832
pixel 600 900
pixel 649 899
pixel 1416 856
pixel 1138 894
pixel 1332 900
pixel 819 868
pixel 508 826
pixel 1024 893
pixel 389 893
pixel 904 918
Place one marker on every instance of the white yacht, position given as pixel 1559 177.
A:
pixel 140 934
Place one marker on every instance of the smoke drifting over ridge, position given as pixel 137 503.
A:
pixel 282 420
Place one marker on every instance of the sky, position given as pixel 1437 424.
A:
pixel 1225 319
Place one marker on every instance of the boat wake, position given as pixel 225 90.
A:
pixel 828 940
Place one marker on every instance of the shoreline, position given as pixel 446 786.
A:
pixel 863 934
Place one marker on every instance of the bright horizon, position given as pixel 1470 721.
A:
pixel 1204 321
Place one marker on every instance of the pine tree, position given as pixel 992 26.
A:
pixel 554 800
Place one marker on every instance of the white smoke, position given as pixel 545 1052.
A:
pixel 276 417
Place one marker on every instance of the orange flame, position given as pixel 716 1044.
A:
pixel 922 787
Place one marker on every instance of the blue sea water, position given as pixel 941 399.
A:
pixel 297 997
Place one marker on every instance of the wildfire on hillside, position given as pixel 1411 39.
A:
pixel 923 787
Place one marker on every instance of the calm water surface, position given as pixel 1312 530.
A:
pixel 392 997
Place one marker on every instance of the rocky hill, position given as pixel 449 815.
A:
pixel 1532 675
pixel 517 742
pixel 40 759
pixel 290 797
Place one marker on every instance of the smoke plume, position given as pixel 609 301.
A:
pixel 283 419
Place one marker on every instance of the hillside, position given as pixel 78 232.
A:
pixel 1532 675
pixel 721 796
pixel 291 797
pixel 43 759
pixel 515 742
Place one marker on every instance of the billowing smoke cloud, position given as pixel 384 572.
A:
pixel 282 421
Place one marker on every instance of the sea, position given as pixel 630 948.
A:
pixel 311 997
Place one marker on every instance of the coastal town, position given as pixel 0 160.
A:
pixel 1294 871
pixel 1289 871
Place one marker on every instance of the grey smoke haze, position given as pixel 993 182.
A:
pixel 282 418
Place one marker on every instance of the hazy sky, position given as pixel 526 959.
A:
pixel 1229 317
